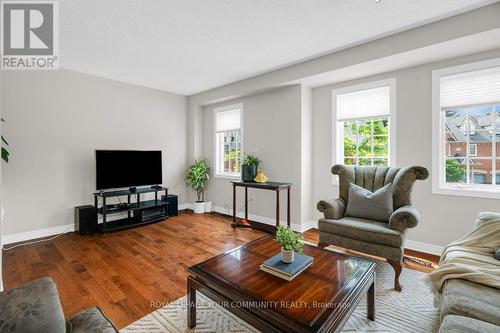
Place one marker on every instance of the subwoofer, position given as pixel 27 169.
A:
pixel 173 204
pixel 85 219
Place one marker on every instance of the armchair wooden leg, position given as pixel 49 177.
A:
pixel 397 271
pixel 322 245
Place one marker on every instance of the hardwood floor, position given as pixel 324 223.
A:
pixel 128 274
pixel 312 236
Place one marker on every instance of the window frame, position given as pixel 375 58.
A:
pixel 338 126
pixel 473 145
pixel 224 108
pixel 439 184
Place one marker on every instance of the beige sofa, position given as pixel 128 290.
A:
pixel 470 307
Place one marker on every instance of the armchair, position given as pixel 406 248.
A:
pixel 380 238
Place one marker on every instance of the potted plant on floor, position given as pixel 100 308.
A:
pixel 197 176
pixel 5 152
pixel 249 167
pixel 290 243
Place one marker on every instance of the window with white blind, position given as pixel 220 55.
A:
pixel 228 141
pixel 364 121
pixel 466 125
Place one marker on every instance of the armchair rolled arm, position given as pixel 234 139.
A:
pixel 403 218
pixel 332 209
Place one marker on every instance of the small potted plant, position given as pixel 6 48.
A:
pixel 249 167
pixel 197 176
pixel 290 243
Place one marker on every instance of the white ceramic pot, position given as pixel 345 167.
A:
pixel 199 207
pixel 287 256
pixel 208 207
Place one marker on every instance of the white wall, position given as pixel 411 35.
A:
pixel 444 218
pixel 55 121
pixel 408 54
pixel 306 158
pixel 271 129
pixel 1 204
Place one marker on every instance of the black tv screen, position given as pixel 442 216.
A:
pixel 127 168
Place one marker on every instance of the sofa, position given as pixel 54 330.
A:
pixel 35 308
pixel 469 307
pixel 371 235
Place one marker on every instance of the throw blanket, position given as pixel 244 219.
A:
pixel 471 257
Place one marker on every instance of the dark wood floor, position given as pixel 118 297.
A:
pixel 125 272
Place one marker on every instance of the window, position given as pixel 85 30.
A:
pixel 364 117
pixel 228 141
pixel 466 125
pixel 473 149
pixel 366 142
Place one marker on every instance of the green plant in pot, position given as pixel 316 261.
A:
pixel 5 152
pixel 249 167
pixel 197 177
pixel 290 243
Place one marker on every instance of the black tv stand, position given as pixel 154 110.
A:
pixel 139 212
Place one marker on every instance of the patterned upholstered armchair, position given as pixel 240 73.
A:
pixel 380 238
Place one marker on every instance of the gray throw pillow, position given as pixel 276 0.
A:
pixel 497 254
pixel 370 205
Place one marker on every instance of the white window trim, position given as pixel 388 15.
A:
pixel 214 166
pixel 439 186
pixel 337 150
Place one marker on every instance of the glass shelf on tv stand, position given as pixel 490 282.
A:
pixel 140 208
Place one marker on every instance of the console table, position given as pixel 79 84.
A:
pixel 139 212
pixel 271 186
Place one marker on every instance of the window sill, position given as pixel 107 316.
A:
pixel 231 177
pixel 468 192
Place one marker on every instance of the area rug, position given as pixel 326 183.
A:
pixel 408 311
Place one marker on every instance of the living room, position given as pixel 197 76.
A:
pixel 368 128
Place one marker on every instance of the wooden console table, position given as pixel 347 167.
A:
pixel 272 186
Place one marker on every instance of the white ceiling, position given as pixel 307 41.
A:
pixel 188 46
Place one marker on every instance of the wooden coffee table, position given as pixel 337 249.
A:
pixel 320 299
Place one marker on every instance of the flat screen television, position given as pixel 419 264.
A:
pixel 127 168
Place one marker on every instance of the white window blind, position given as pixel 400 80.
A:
pixel 228 120
pixel 364 104
pixel 471 88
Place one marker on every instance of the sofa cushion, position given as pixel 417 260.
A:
pixel 363 203
pixel 363 229
pixel 33 307
pixel 459 324
pixel 469 299
pixel 90 321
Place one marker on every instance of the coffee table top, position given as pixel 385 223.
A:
pixel 310 298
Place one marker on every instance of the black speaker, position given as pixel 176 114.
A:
pixel 173 203
pixel 85 219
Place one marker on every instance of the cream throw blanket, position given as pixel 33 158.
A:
pixel 471 257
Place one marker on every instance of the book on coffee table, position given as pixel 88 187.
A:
pixel 287 271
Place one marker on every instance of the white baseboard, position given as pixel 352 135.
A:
pixel 46 232
pixel 313 224
pixel 28 235
pixel 258 218
pixel 185 206
pixel 424 247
